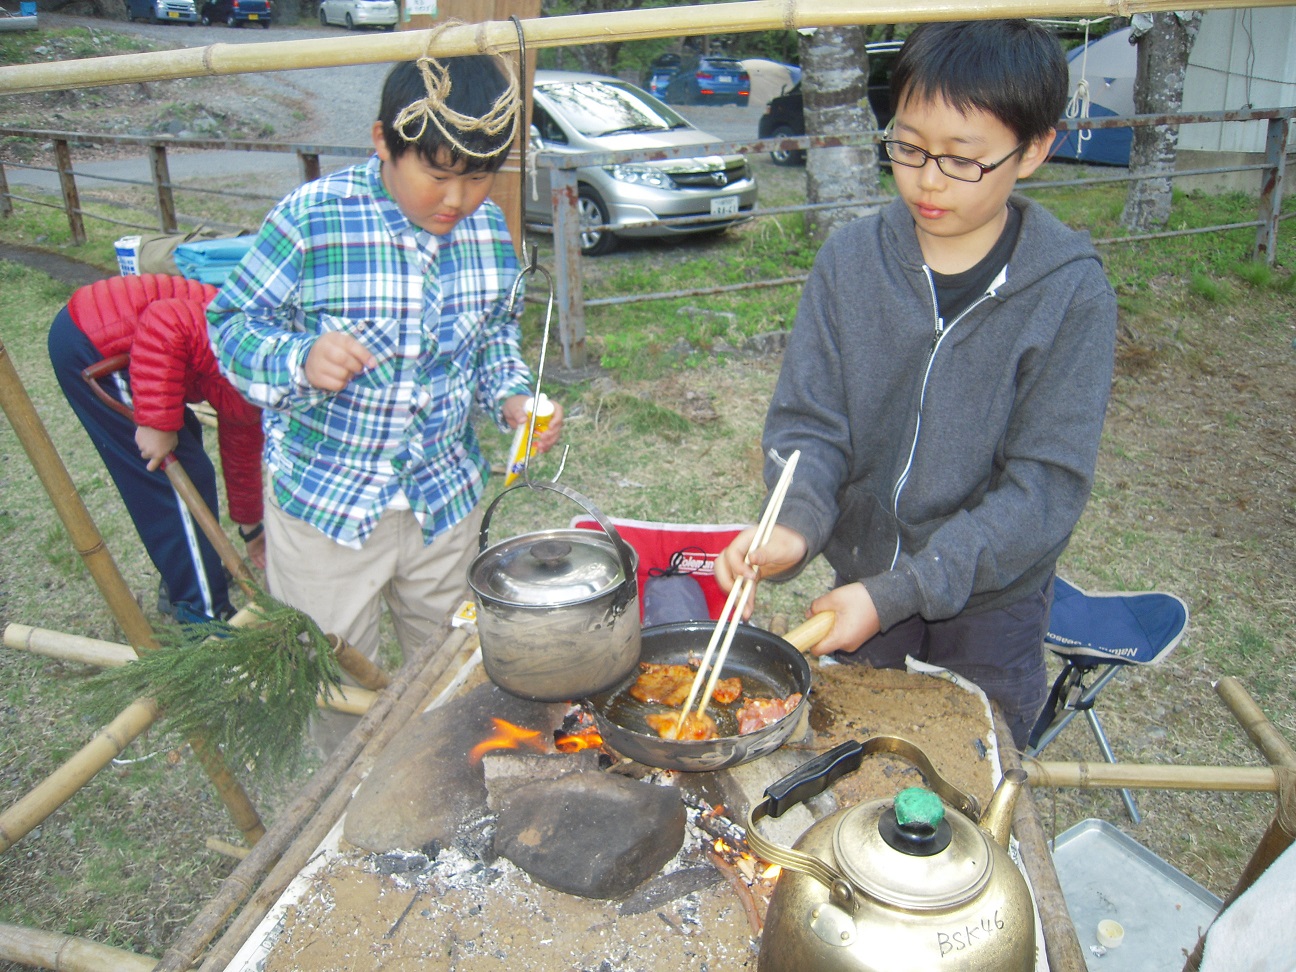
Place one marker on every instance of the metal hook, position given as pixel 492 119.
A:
pixel 534 267
pixel 523 130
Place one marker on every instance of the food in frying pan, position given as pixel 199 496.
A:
pixel 754 715
pixel 670 684
pixel 696 727
pixel 758 713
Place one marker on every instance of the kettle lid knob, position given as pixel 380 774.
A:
pixel 918 808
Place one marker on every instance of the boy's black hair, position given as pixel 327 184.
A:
pixel 1012 69
pixel 476 82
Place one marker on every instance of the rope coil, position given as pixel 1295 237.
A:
pixel 503 114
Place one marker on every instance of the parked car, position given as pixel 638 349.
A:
pixel 575 113
pixel 697 79
pixel 360 13
pixel 785 115
pixel 163 11
pixel 236 13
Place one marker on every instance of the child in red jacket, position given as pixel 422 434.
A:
pixel 160 322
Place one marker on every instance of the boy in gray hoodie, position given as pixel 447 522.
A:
pixel 946 380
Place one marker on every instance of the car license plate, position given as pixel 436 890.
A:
pixel 724 206
pixel 172 13
pixel 253 16
pixel 725 79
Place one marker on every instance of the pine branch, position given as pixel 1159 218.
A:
pixel 251 690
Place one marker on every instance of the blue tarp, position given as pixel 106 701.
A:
pixel 211 261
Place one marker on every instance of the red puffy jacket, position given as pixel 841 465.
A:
pixel 161 322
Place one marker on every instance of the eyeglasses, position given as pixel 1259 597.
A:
pixel 954 166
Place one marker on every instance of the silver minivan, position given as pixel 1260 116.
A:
pixel 575 113
pixel 162 11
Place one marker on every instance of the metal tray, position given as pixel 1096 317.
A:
pixel 1106 874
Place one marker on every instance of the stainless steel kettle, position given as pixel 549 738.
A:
pixel 895 885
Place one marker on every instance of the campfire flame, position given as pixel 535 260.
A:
pixel 506 736
pixel 574 742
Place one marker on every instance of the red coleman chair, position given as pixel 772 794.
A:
pixel 674 550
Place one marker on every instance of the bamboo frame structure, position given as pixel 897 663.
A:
pixel 574 29
pixel 88 542
pixel 53 791
pixel 48 950
pixel 1278 836
pixel 349 699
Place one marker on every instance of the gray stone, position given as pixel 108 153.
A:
pixel 424 786
pixel 597 835
pixel 508 770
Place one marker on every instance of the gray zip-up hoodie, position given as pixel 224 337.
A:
pixel 943 463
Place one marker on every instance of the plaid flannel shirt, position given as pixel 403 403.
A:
pixel 338 255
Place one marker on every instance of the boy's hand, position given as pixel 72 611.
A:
pixel 155 445
pixel 785 550
pixel 256 550
pixel 515 414
pixel 335 359
pixel 856 622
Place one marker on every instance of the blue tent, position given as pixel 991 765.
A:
pixel 1108 65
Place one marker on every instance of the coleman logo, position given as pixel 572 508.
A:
pixel 693 562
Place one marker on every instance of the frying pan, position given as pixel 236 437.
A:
pixel 769 666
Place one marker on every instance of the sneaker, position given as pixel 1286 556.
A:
pixel 164 605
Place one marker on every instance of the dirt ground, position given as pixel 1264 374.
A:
pixel 362 912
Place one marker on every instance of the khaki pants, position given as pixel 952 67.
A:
pixel 343 590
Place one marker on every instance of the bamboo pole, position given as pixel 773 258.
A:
pixel 1278 836
pixel 226 848
pixel 50 794
pixel 1060 942
pixel 575 29
pixel 1262 732
pixel 371 734
pixel 71 509
pixel 85 536
pixel 207 522
pixel 47 950
pixel 107 654
pixel 1151 776
pixel 67 647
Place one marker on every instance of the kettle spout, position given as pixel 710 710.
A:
pixel 997 820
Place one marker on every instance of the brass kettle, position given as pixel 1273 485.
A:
pixel 895 885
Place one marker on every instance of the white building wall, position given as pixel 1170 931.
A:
pixel 1242 58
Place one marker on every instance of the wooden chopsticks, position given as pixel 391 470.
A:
pixel 731 616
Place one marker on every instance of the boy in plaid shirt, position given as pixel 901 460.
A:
pixel 369 317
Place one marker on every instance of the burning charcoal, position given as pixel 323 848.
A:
pixel 431 849
pixel 668 887
pixel 398 863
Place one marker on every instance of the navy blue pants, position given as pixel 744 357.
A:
pixel 1001 651
pixel 188 563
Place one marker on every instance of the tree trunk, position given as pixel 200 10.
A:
pixel 835 85
pixel 1163 50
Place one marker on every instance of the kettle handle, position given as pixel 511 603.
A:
pixel 813 777
pixel 625 552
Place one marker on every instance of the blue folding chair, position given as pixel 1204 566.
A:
pixel 1096 635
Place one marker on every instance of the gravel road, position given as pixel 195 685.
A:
pixel 340 104
pixel 344 99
